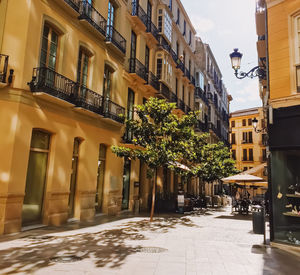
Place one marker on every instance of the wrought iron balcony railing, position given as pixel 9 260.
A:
pixel 139 12
pixel 201 126
pixel 135 66
pixel 153 81
pixel 92 16
pixel 48 81
pixel 113 111
pixel 89 100
pixel 164 90
pixel 180 65
pixel 3 67
pixel 112 35
pixel 164 44
pixel 199 93
pixel 151 28
pixel 75 4
pixel 193 80
pixel 174 56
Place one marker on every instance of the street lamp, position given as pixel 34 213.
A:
pixel 254 123
pixel 236 58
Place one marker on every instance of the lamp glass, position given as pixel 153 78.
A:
pixel 254 123
pixel 236 62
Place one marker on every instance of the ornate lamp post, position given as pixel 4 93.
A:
pixel 236 58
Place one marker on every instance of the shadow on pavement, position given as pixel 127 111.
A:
pixel 235 217
pixel 106 248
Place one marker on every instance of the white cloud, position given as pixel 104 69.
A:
pixel 202 24
pixel 248 93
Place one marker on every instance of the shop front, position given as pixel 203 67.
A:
pixel 284 176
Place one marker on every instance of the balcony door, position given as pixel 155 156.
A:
pixel 130 112
pixel 82 71
pixel 149 15
pixel 106 88
pixel 48 58
pixel 132 52
pixel 147 57
pixel 110 19
pixel 36 177
pixel 126 184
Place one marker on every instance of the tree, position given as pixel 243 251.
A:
pixel 213 162
pixel 160 137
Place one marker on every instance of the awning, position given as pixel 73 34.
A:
pixel 179 165
pixel 255 169
pixel 242 178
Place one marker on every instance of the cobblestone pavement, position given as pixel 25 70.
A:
pixel 211 242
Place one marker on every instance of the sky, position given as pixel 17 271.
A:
pixel 225 25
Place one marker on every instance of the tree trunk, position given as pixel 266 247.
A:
pixel 153 201
pixel 212 194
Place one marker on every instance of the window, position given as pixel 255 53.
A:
pixel 36 176
pixel 263 125
pixel 130 112
pixel 82 68
pixel 177 49
pixel 159 68
pixel 189 94
pixel 244 122
pixel 244 140
pixel 250 140
pixel 100 177
pixel 133 45
pixel 249 121
pixel 176 86
pixel 232 123
pixel 244 154
pixel 251 154
pixel 264 155
pixel 149 11
pixel 190 37
pixel 147 56
pixel 159 23
pixel 233 152
pixel 73 181
pixel 182 93
pixel 245 169
pixel 233 138
pixel 170 4
pixel 201 81
pixel 297 61
pixel 110 19
pixel 264 139
pixel 167 26
pixel 184 28
pixel 49 48
pixel 178 17
pixel 107 82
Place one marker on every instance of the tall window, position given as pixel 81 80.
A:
pixel 110 19
pixel 184 28
pixel 133 45
pixel 249 121
pixel 244 140
pixel 82 68
pixel 49 48
pixel 159 68
pixel 251 154
pixel 244 122
pixel 250 139
pixel 190 38
pixel 264 155
pixel 100 177
pixel 233 138
pixel 107 82
pixel 177 49
pixel 233 152
pixel 130 111
pixel 233 123
pixel 201 81
pixel 176 86
pixel 36 177
pixel 149 12
pixel 189 98
pixel 167 26
pixel 159 21
pixel 182 93
pixel 170 4
pixel 244 154
pixel 178 17
pixel 73 181
pixel 147 56
pixel 183 54
pixel 298 55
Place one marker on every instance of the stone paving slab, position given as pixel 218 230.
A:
pixel 211 242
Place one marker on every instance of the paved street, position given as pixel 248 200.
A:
pixel 213 242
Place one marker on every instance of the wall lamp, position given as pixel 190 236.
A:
pixel 254 123
pixel 236 58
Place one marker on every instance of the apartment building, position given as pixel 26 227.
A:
pixel 69 74
pixel 278 30
pixel 248 147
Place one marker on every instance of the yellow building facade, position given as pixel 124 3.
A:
pixel 248 147
pixel 67 73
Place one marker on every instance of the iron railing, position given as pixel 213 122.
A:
pixel 135 66
pixel 112 35
pixel 164 44
pixel 151 28
pixel 193 80
pixel 139 12
pixel 180 65
pixel 48 81
pixel 113 111
pixel 164 90
pixel 187 73
pixel 201 126
pixel 92 16
pixel 75 4
pixel 174 56
pixel 89 100
pixel 3 67
pixel 153 81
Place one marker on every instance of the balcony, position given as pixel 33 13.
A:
pixel 3 67
pixel 113 111
pixel 92 18
pixel 166 93
pixel 153 81
pixel 87 100
pixel 164 44
pixel 71 6
pixel 138 14
pixel 199 93
pixel 138 69
pixel 50 85
pixel 193 80
pixel 114 37
pixel 151 29
pixel 201 126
